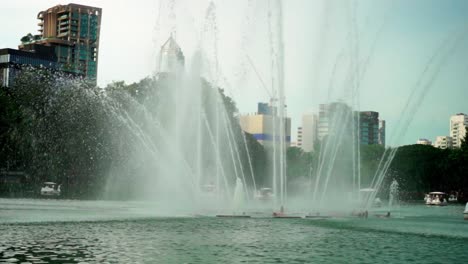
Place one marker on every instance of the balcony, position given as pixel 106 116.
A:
pixel 63 17
pixel 64 34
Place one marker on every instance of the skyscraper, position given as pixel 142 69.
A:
pixel 369 127
pixel 308 134
pixel 171 58
pixel 382 132
pixel 334 118
pixel 73 31
pixel 299 138
pixel 458 124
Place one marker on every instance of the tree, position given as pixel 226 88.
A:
pixel 28 38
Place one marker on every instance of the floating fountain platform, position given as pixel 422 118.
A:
pixel 318 216
pixel 287 216
pixel 234 216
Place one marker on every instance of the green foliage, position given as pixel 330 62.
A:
pixel 68 131
pixel 464 141
pixel 62 130
pixel 28 38
pixel 55 132
pixel 370 159
pixel 418 168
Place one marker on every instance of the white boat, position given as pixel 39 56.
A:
pixel 452 198
pixel 426 198
pixel 465 213
pixel 50 189
pixel 436 198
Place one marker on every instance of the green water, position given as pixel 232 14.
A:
pixel 75 232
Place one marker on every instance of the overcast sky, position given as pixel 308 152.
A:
pixel 395 39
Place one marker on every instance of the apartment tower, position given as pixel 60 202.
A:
pixel 73 31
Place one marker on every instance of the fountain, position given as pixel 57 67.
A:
pixel 184 139
pixel 394 193
pixel 180 133
pixel 238 202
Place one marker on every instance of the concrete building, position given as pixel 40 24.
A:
pixel 458 124
pixel 73 31
pixel 443 142
pixel 423 141
pixel 308 133
pixel 299 137
pixel 12 61
pixel 265 127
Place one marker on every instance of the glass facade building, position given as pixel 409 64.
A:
pixel 369 128
pixel 73 31
pixel 12 61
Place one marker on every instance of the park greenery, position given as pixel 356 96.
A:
pixel 53 128
pixel 66 130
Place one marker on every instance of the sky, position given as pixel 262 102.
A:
pixel 391 44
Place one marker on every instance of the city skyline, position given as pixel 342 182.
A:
pixel 398 37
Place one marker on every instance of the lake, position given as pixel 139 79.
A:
pixel 57 231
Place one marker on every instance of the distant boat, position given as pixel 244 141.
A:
pixel 453 198
pixel 50 189
pixel 264 194
pixel 465 214
pixel 436 198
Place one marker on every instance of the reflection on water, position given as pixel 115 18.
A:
pixel 420 235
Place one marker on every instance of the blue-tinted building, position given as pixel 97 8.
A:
pixel 12 61
pixel 73 32
pixel 369 128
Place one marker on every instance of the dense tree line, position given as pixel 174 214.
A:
pixel 419 169
pixel 54 128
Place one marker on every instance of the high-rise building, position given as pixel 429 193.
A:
pixel 382 132
pixel 73 31
pixel 338 118
pixel 299 137
pixel 265 127
pixel 334 118
pixel 308 132
pixel 458 124
pixel 443 142
pixel 423 141
pixel 171 58
pixel 369 127
pixel 12 61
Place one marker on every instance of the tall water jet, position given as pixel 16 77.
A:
pixel 394 193
pixel 275 25
pixel 172 165
pixel 238 199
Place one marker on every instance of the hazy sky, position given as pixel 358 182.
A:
pixel 394 38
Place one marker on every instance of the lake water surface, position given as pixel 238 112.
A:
pixel 54 231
